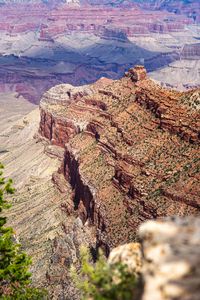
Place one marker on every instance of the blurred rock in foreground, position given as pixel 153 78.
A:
pixel 170 258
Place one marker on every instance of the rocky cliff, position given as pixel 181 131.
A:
pixel 40 213
pixel 49 22
pixel 109 156
pixel 131 152
pixel 44 45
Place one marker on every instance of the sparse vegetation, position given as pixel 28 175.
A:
pixel 192 100
pixel 15 278
pixel 103 281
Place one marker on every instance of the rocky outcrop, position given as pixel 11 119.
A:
pixel 102 164
pixel 131 155
pixel 166 107
pixel 42 212
pixel 114 34
pixel 171 259
pixel 129 255
pixel 136 74
pixel 54 125
pixel 168 260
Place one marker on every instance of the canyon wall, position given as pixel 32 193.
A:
pixel 43 45
pixel 109 156
pixel 131 152
pixel 49 22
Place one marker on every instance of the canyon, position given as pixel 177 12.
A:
pixel 44 44
pixel 107 157
pixel 95 145
pixel 140 141
pixel 189 8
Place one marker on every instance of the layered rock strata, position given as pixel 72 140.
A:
pixel 42 211
pixel 131 152
pixel 66 19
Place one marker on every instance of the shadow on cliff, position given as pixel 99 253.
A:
pixel 32 76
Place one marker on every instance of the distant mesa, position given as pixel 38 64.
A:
pixel 111 33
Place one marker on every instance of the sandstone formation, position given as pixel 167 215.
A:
pixel 131 152
pixel 108 157
pixel 182 74
pixel 191 51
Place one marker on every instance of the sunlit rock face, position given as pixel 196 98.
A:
pixel 129 144
pixel 108 156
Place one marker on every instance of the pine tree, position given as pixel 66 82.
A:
pixel 15 278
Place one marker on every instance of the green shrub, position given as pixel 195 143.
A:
pixel 15 278
pixel 103 281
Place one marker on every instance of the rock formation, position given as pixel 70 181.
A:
pixel 131 152
pixel 44 43
pixel 40 213
pixel 191 51
pixel 190 8
pixel 108 156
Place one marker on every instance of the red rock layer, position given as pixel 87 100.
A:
pixel 134 156
pixel 64 19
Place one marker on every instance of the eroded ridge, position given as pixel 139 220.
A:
pixel 131 151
